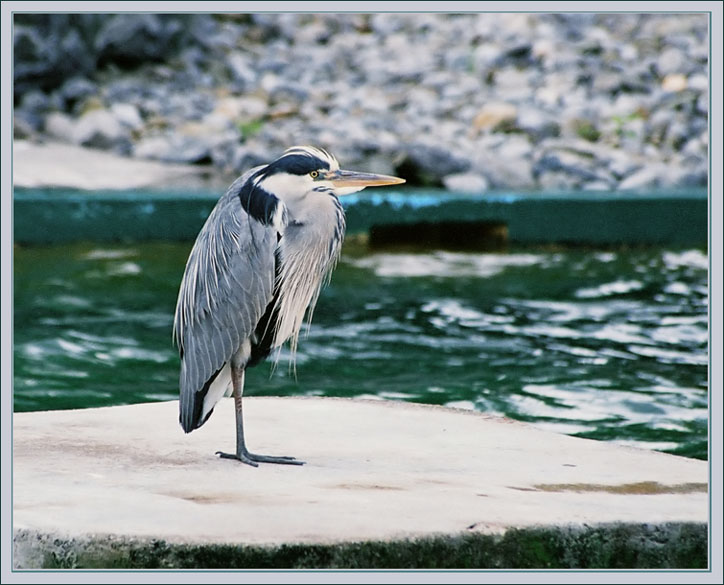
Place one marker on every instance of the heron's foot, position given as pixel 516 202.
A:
pixel 254 460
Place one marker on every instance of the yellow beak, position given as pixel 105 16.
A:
pixel 344 179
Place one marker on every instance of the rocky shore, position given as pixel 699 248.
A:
pixel 471 102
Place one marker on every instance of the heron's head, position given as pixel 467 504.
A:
pixel 304 169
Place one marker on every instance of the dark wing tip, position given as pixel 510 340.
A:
pixel 191 407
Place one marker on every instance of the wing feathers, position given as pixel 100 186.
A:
pixel 227 284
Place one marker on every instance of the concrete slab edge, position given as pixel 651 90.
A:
pixel 603 546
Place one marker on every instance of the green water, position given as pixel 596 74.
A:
pixel 607 345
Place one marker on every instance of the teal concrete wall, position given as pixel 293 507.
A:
pixel 47 216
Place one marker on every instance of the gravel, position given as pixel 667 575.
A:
pixel 471 102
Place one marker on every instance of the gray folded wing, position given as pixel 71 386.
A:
pixel 227 285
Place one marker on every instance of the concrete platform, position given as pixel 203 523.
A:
pixel 386 484
pixel 65 165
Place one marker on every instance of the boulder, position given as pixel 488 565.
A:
pixel 132 39
pixel 60 126
pixel 101 129
pixel 494 114
pixel 127 115
pixel 173 148
pixel 48 49
pixel 465 183
pixel 427 163
pixel 505 161
pixel 77 89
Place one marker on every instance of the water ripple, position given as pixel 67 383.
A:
pixel 606 345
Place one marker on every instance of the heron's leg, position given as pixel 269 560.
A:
pixel 242 453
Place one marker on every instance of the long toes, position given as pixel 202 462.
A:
pixel 282 460
pixel 242 458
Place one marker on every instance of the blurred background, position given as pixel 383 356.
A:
pixel 517 121
pixel 468 101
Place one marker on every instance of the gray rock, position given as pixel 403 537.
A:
pixel 194 60
pixel 384 163
pixel 515 148
pixel 251 107
pixel 465 183
pixel 650 176
pixel 248 156
pixel 505 162
pixel 697 146
pixel 518 55
pixel 270 62
pixel 130 39
pixel 658 124
pixel 597 186
pixel 632 135
pixel 671 60
pixel 128 89
pixel 101 129
pixel 457 59
pixel 678 134
pixel 702 104
pixel 60 126
pixel 195 143
pixel 573 25
pixel 28 45
pixel 460 92
pixel 35 101
pixel 582 167
pixel 515 84
pixel 243 75
pixel 537 124
pixel 315 32
pixel 49 48
pixel 25 125
pixel 429 163
pixel 223 155
pixel 280 90
pixel 127 115
pixel 622 164
pixel 386 24
pixel 694 178
pixel 699 82
pixel 29 116
pixel 181 107
pixel 558 181
pixel 209 34
pixel 174 148
pixel 75 56
pixel 494 114
pixel 32 61
pixel 76 89
pixel 607 82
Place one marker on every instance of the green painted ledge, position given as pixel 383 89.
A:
pixel 51 216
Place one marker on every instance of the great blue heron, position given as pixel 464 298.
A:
pixel 257 266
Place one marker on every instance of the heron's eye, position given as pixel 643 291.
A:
pixel 314 174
